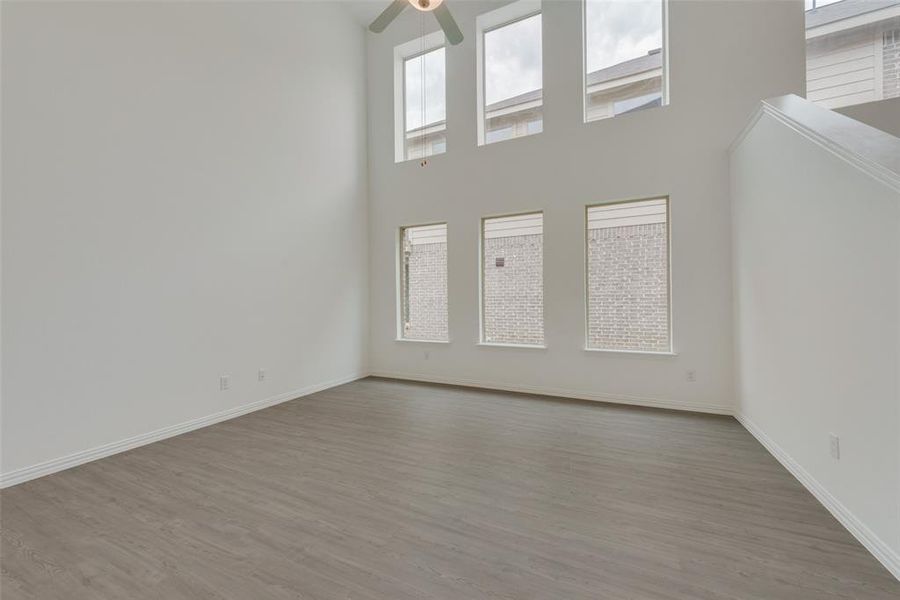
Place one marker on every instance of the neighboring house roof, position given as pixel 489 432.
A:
pixel 515 100
pixel 436 128
pixel 648 62
pixel 845 9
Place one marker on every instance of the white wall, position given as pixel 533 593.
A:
pixel 184 196
pixel 817 290
pixel 680 150
pixel 883 114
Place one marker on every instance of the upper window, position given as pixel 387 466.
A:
pixel 510 72
pixel 628 276
pixel 852 51
pixel 512 280
pixel 423 283
pixel 625 56
pixel 420 98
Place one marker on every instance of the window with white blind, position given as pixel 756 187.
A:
pixel 627 254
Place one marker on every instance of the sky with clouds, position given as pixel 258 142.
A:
pixel 615 31
pixel 434 89
pixel 621 30
pixel 513 60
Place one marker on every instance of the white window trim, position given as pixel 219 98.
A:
pixel 666 99
pixel 402 53
pixel 481 339
pixel 522 346
pixel 587 288
pixel 484 23
pixel 634 352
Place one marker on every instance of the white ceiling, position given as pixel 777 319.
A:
pixel 364 11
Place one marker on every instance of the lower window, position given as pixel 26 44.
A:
pixel 423 283
pixel 512 284
pixel 628 305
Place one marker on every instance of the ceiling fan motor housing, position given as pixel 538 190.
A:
pixel 426 5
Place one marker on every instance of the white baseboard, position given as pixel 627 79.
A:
pixel 885 555
pixel 563 393
pixel 78 458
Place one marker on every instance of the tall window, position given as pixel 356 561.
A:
pixel 628 276
pixel 420 98
pixel 852 51
pixel 510 69
pixel 625 56
pixel 512 286
pixel 423 283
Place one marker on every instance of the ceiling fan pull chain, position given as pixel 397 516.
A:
pixel 422 59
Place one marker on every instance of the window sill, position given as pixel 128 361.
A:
pixel 632 352
pixel 422 341
pixel 524 346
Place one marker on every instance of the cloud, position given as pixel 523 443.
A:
pixel 615 31
pixel 621 30
pixel 433 87
pixel 513 60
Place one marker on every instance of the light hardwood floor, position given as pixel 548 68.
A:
pixel 390 490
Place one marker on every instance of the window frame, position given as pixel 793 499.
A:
pixel 398 285
pixel 665 75
pixel 403 53
pixel 587 288
pixel 484 24
pixel 482 341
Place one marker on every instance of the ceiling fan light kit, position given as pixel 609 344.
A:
pixel 425 5
pixel 438 7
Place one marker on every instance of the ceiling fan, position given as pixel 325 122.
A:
pixel 440 10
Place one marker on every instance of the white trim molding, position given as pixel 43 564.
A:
pixel 866 148
pixel 885 555
pixel 62 463
pixel 562 393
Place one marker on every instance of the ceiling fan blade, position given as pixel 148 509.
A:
pixel 448 24
pixel 390 13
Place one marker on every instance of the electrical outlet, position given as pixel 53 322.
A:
pixel 835 446
pixel 224 382
pixel 261 375
pixel 426 354
pixel 691 376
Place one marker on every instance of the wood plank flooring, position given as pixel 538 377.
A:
pixel 387 490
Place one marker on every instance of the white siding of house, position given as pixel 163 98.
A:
pixel 645 212
pixel 500 227
pixel 846 72
pixel 427 234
